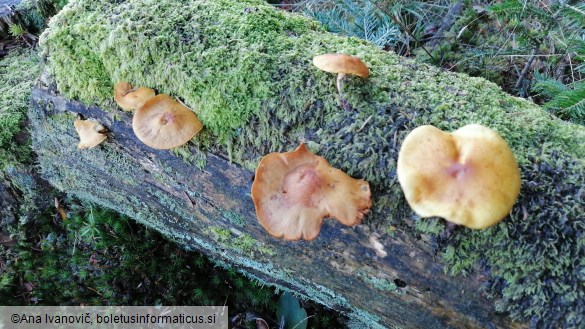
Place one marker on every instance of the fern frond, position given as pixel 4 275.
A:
pixel 570 103
pixel 573 17
pixel 358 18
pixel 520 9
pixel 547 86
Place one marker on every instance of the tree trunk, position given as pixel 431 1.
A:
pixel 245 68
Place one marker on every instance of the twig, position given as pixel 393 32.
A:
pixel 526 67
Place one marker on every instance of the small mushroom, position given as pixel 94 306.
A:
pixel 469 177
pixel 294 191
pixel 90 133
pixel 163 123
pixel 343 65
pixel 130 99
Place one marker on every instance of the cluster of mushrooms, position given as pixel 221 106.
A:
pixel 159 121
pixel 468 177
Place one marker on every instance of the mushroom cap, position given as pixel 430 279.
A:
pixel 341 63
pixel 128 98
pixel 469 177
pixel 163 123
pixel 294 191
pixel 89 133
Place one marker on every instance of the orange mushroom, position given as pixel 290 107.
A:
pixel 163 123
pixel 469 177
pixel 130 99
pixel 90 133
pixel 341 64
pixel 294 191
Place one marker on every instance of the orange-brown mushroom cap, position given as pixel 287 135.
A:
pixel 341 63
pixel 469 177
pixel 163 123
pixel 294 191
pixel 90 133
pixel 130 99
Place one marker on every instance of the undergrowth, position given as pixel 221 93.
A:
pixel 530 48
pixel 98 257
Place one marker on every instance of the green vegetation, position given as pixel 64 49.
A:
pixel 18 69
pixel 531 262
pixel 529 48
pixel 97 257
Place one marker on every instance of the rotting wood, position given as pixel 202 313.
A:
pixel 381 280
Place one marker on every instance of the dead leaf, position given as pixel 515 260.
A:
pixel 60 210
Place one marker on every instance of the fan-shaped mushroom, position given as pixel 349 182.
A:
pixel 128 98
pixel 294 191
pixel 90 133
pixel 163 123
pixel 469 177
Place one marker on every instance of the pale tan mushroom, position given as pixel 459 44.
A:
pixel 343 65
pixel 163 123
pixel 90 133
pixel 469 177
pixel 129 98
pixel 294 191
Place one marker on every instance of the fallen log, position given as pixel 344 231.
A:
pixel 245 68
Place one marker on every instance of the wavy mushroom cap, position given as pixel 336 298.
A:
pixel 294 191
pixel 163 123
pixel 90 133
pixel 469 177
pixel 341 63
pixel 130 99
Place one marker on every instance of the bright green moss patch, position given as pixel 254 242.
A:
pixel 19 70
pixel 245 68
pixel 242 242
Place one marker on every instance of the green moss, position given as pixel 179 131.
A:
pixel 19 70
pixel 234 218
pixel 534 259
pixel 241 242
pixel 380 284
pixel 245 68
pixel 430 225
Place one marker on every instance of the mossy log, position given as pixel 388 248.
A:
pixel 380 279
pixel 245 68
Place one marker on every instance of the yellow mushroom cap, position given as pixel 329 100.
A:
pixel 89 133
pixel 341 63
pixel 294 191
pixel 163 123
pixel 469 177
pixel 128 98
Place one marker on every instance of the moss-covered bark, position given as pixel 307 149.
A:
pixel 245 68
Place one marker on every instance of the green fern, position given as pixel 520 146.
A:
pixel 546 86
pixel 570 103
pixel 567 101
pixel 358 18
